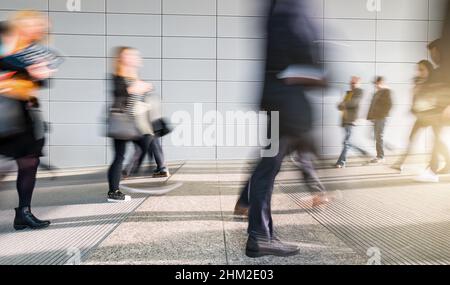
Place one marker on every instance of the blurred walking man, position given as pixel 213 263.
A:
pixel 349 108
pixel 378 112
pixel 290 67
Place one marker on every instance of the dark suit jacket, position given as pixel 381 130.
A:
pixel 291 40
pixel 350 108
pixel 381 105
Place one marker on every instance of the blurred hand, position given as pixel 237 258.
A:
pixel 40 71
pixel 140 87
pixel 309 82
pixel 17 88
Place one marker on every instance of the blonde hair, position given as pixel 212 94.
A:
pixel 19 16
pixel 25 14
pixel 118 66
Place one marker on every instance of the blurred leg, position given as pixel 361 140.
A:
pixel 156 149
pixel 260 193
pixel 379 137
pixel 343 157
pixel 114 172
pixel 26 179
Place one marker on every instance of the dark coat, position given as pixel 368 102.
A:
pixel 350 108
pixel 291 40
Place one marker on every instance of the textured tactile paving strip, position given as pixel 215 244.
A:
pixel 404 224
pixel 75 230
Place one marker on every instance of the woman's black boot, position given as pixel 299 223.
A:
pixel 25 219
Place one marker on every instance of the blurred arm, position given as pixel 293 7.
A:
pixel 302 45
pixel 354 102
pixel 17 89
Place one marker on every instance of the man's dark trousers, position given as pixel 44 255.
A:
pixel 257 194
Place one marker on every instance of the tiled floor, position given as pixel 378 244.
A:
pixel 376 212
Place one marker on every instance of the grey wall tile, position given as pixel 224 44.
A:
pixel 79 45
pixel 197 26
pixel 77 135
pixel 151 69
pixel 133 25
pixel 85 6
pixel 349 29
pixel 24 5
pixel 351 9
pixel 350 51
pixel 82 68
pixel 396 30
pixel 77 23
pixel 243 7
pixel 190 7
pixel 77 112
pixel 134 6
pixel 77 90
pixel 43 94
pixel 340 72
pixel 401 51
pixel 184 69
pixel 239 92
pixel 195 111
pixel 241 49
pixel 404 9
pixel 240 70
pixel 149 47
pixel 241 27
pixel 397 72
pixel 189 91
pixel 74 157
pixel 201 48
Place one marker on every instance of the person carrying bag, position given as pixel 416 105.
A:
pixel 127 118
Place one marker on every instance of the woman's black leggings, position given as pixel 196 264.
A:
pixel 26 179
pixel 115 171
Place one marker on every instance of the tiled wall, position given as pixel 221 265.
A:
pixel 211 52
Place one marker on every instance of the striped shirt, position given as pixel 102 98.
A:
pixel 132 99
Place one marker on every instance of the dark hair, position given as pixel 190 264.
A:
pixel 379 79
pixel 427 64
pixel 434 44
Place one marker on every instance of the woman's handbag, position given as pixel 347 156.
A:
pixel 12 119
pixel 122 126
pixel 161 127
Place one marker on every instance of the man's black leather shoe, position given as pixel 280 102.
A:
pixel 258 247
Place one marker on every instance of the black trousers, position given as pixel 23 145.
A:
pixel 115 170
pixel 378 128
pixel 257 194
pixel 154 151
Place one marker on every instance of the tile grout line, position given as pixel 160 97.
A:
pixel 217 147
